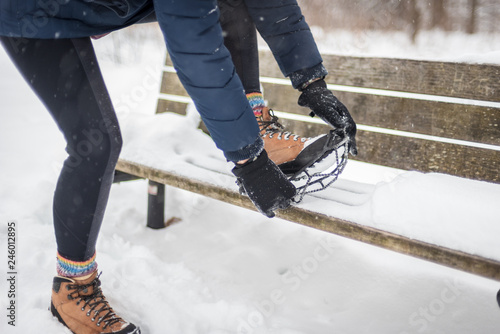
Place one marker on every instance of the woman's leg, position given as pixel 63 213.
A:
pixel 66 77
pixel 240 38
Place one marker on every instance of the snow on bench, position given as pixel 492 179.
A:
pixel 437 123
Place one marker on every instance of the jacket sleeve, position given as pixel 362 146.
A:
pixel 285 30
pixel 195 42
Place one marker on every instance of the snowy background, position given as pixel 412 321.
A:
pixel 222 269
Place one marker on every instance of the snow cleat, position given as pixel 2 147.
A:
pixel 316 157
pixel 81 306
pixel 313 164
pixel 292 153
pixel 326 172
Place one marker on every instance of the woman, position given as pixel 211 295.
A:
pixel 50 45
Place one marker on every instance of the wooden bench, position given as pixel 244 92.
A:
pixel 413 115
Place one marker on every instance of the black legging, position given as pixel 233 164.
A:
pixel 66 77
pixel 240 38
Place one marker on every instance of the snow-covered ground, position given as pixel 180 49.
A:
pixel 222 269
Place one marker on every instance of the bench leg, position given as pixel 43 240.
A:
pixel 156 205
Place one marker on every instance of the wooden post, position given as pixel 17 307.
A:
pixel 156 205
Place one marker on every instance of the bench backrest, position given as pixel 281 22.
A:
pixel 414 115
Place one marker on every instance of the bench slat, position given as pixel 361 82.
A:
pixel 460 80
pixel 429 156
pixel 444 256
pixel 170 84
pixel 469 81
pixel 171 106
pixel 414 153
pixel 457 121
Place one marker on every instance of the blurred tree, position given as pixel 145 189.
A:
pixel 439 15
pixel 473 16
pixel 408 12
pixel 415 20
pixel 471 24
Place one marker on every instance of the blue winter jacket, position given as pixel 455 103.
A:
pixel 195 43
pixel 284 28
pixel 49 19
pixel 194 40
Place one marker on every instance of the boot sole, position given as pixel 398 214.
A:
pixel 56 314
pixel 307 159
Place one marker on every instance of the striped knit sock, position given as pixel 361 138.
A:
pixel 68 268
pixel 256 102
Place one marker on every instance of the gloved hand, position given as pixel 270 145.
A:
pixel 323 103
pixel 265 184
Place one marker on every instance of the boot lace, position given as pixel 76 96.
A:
pixel 273 127
pixel 98 305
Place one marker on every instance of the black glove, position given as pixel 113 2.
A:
pixel 265 184
pixel 323 103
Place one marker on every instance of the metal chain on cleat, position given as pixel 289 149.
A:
pixel 321 179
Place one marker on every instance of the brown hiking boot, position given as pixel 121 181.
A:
pixel 81 306
pixel 292 153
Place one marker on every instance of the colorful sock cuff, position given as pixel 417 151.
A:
pixel 68 268
pixel 257 103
